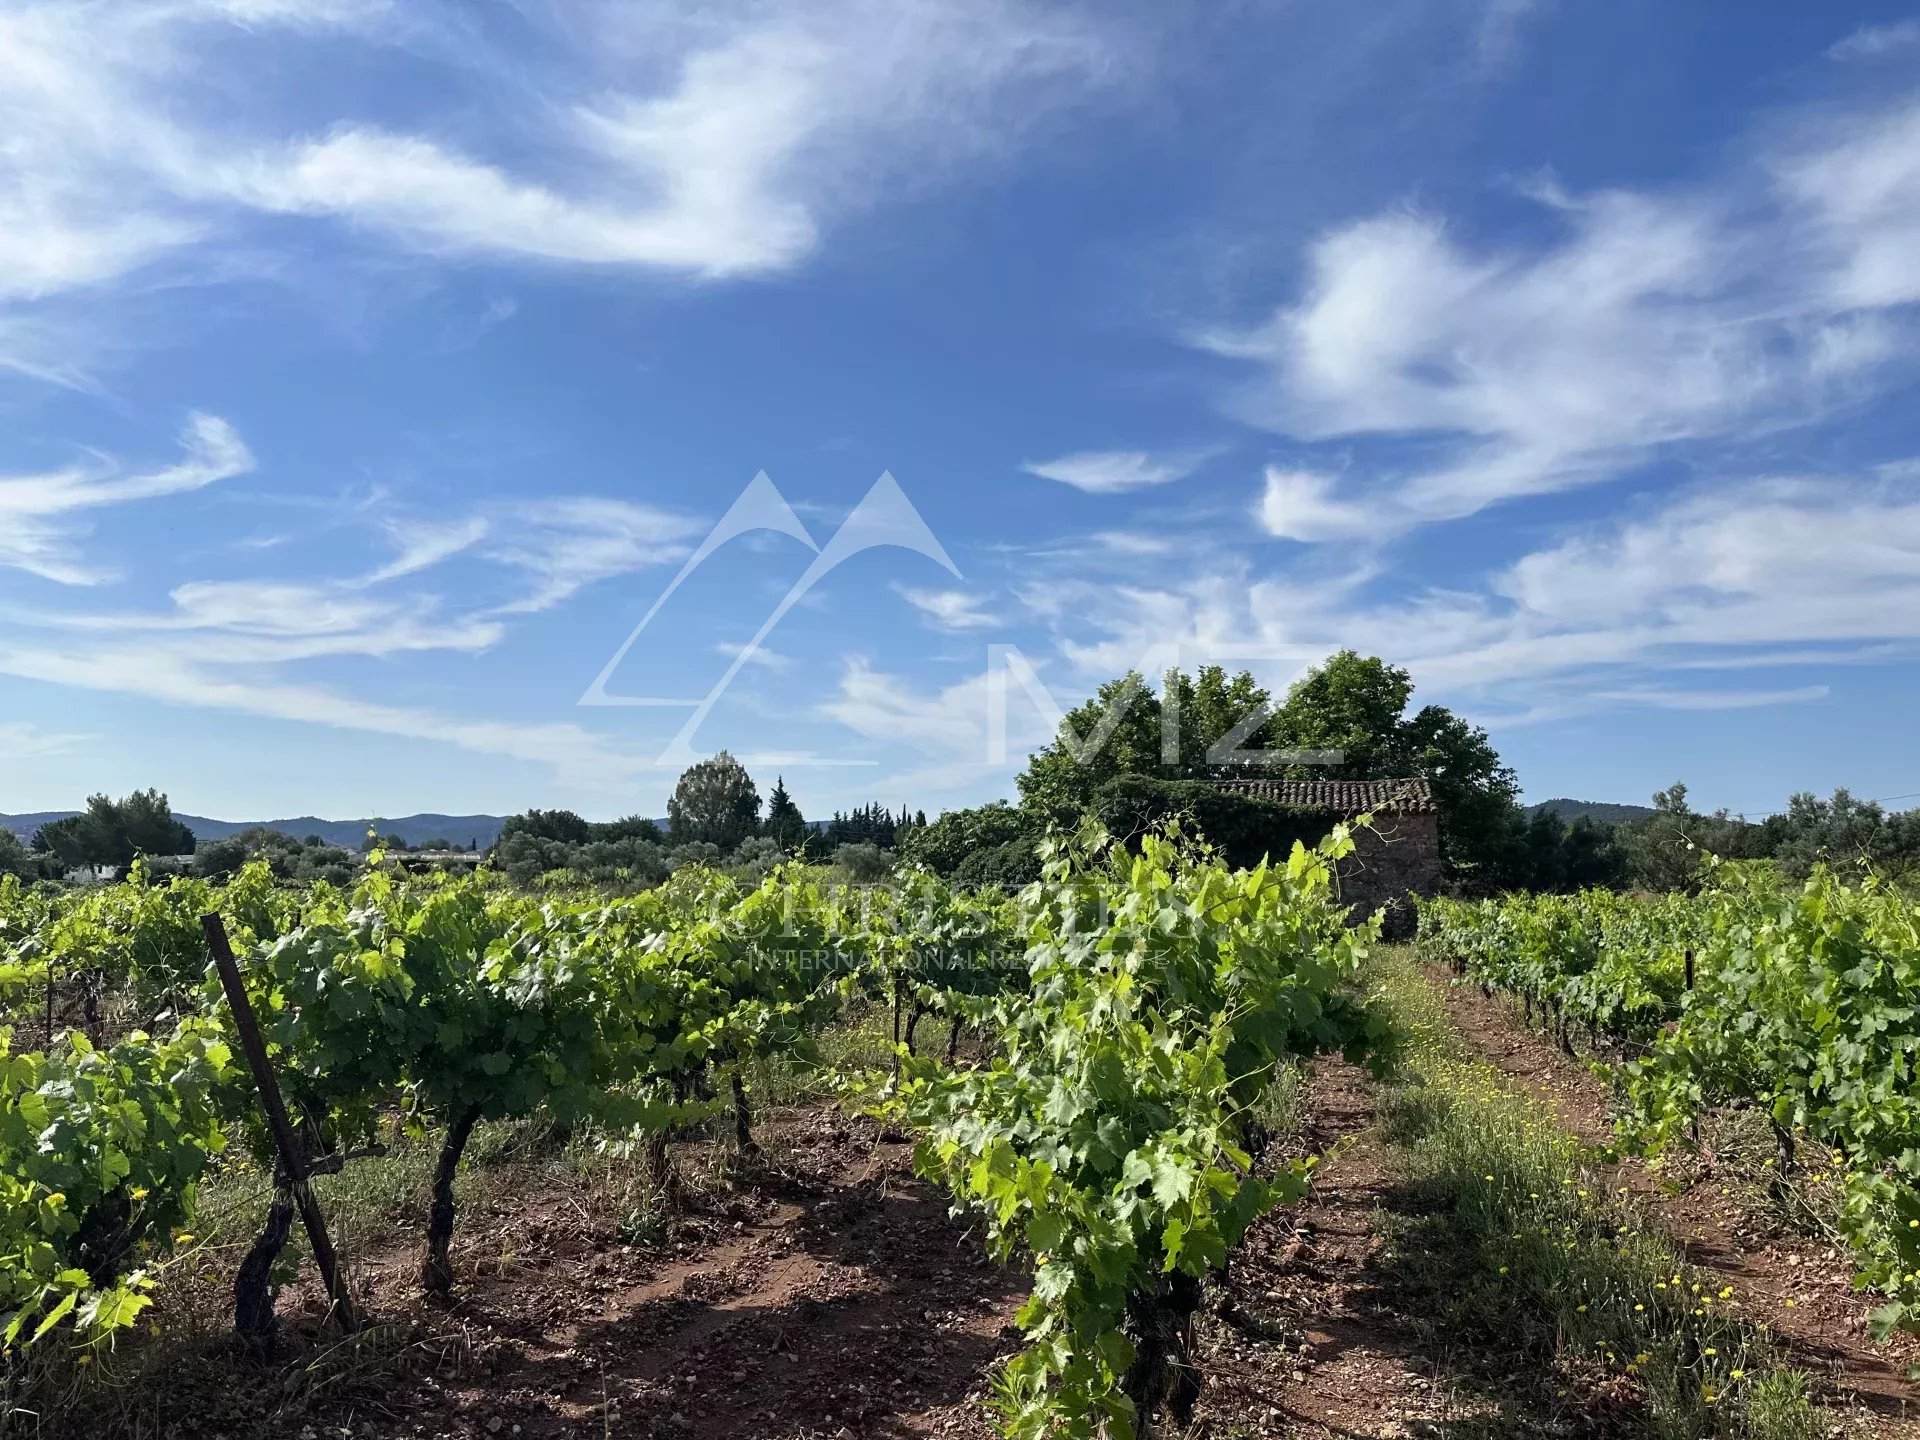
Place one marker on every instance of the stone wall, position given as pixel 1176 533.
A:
pixel 1399 857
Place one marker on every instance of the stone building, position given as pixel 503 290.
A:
pixel 1394 859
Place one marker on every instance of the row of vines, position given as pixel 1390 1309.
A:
pixel 1796 1000
pixel 1133 1007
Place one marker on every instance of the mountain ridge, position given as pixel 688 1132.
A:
pixel 416 830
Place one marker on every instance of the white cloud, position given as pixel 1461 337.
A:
pixel 1501 24
pixel 948 728
pixel 438 200
pixel 37 536
pixel 949 609
pixel 885 707
pixel 1300 505
pixel 1649 322
pixel 1754 574
pixel 1870 42
pixel 251 622
pixel 1664 698
pixel 1858 186
pixel 756 655
pixel 709 141
pixel 26 742
pixel 1135 543
pixel 315 14
pixel 422 544
pixel 1779 560
pixel 1113 472
pixel 567 544
pixel 235 644
pixel 576 755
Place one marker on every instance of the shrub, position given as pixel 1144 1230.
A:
pixel 1242 828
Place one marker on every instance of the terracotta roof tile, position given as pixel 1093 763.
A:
pixel 1342 797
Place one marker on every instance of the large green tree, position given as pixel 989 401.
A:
pixel 64 841
pixel 715 802
pixel 1117 732
pixel 1129 728
pixel 111 832
pixel 1357 705
pixel 1204 711
pixel 1352 704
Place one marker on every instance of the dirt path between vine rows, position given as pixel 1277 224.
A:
pixel 1304 1344
pixel 1326 1337
pixel 1799 1287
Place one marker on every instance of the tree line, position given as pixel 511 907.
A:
pixel 1129 754
pixel 1668 850
pixel 715 818
pixel 1155 758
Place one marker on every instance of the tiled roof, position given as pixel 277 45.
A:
pixel 1342 797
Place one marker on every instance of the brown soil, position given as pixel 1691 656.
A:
pixel 830 1294
pixel 826 1292
pixel 1715 1222
pixel 1302 1345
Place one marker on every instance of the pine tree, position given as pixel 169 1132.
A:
pixel 785 824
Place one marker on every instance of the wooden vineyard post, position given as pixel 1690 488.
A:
pixel 292 1159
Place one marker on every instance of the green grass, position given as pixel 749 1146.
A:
pixel 1514 1234
pixel 1283 1106
pixel 861 1040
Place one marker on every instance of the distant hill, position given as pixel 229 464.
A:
pixel 1571 810
pixel 416 830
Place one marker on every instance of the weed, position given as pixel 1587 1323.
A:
pixel 1517 1236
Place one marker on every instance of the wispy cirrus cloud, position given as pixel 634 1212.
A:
pixel 1660 609
pixel 948 729
pixel 259 622
pixel 572 753
pixel 1303 505
pixel 754 655
pixel 1114 472
pixel 711 141
pixel 564 544
pixel 1871 42
pixel 421 544
pixel 1647 323
pixel 39 513
pixel 19 741
pixel 1666 698
pixel 952 610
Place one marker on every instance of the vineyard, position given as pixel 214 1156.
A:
pixel 1797 1002
pixel 1148 1001
pixel 1120 1078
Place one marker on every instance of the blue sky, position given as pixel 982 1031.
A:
pixel 368 370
